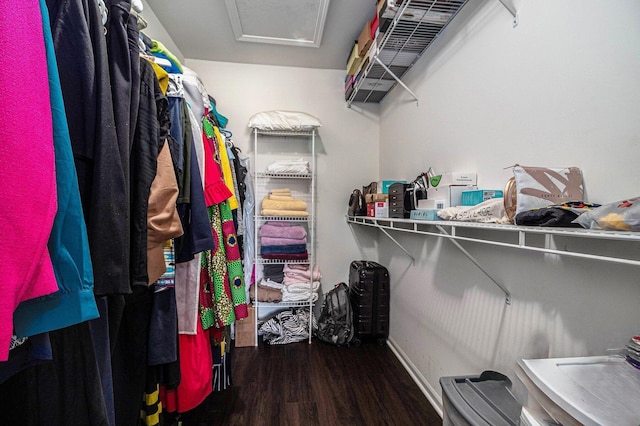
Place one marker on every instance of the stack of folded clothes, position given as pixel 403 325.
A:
pixel 270 286
pixel 283 241
pixel 299 284
pixel 268 291
pixel 279 202
pixel 273 272
pixel 299 166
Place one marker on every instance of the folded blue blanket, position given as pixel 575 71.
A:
pixel 288 249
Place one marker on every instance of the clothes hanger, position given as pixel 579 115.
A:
pixel 103 11
pixel 136 10
pixel 142 23
pixel 160 61
pixel 137 5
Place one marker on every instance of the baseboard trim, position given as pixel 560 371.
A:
pixel 431 394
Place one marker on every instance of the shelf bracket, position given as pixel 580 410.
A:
pixel 413 259
pixel 512 11
pixel 396 79
pixel 475 262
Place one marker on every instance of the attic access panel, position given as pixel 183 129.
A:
pixel 289 22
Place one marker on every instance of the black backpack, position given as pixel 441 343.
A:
pixel 335 324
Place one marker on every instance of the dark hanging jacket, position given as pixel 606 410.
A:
pixel 79 42
pixel 152 129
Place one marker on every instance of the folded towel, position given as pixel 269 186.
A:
pixel 297 279
pixel 266 294
pixel 273 273
pixel 282 224
pixel 299 297
pixel 292 248
pixel 281 191
pixel 286 256
pixel 275 278
pixel 276 241
pixel 271 229
pixel 289 281
pixel 301 288
pixel 293 204
pixel 279 197
pixel 266 282
pixel 284 213
pixel 273 269
pixel 301 272
pixel 296 167
pixel 296 267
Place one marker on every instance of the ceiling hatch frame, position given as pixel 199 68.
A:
pixel 240 34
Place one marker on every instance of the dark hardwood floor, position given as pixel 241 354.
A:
pixel 316 384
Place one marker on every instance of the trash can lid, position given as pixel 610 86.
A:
pixel 483 400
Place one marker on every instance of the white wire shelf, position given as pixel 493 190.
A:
pixel 517 234
pixel 568 242
pixel 302 187
pixel 284 133
pixel 267 175
pixel 264 261
pixel 415 25
pixel 283 218
pixel 301 304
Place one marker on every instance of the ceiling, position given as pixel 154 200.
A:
pixel 202 30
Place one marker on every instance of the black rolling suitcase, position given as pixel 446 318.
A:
pixel 369 296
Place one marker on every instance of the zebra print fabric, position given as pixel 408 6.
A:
pixel 287 327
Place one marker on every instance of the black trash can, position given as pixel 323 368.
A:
pixel 484 400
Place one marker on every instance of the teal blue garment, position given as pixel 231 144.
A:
pixel 221 119
pixel 68 243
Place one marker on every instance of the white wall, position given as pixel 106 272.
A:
pixel 347 147
pixel 156 31
pixel 561 89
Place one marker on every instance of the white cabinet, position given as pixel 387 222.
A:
pixel 278 147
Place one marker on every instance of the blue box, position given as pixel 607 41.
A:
pixel 424 215
pixel 471 198
pixel 385 184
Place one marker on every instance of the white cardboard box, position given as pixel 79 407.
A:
pixel 426 204
pixel 382 209
pixel 448 196
pixel 458 178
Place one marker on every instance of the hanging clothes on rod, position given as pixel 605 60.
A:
pixel 141 173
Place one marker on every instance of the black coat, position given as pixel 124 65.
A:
pixel 79 42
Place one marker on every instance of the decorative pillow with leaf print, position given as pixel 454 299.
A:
pixel 542 186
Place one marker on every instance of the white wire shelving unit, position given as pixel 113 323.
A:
pixel 413 28
pixel 569 242
pixel 265 180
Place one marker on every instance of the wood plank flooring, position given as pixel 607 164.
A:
pixel 316 384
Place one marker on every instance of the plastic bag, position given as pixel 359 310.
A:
pixel 622 215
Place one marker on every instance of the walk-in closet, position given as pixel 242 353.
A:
pixel 320 212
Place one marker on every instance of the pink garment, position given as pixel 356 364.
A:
pixel 301 271
pixel 28 187
pixel 270 230
pixel 274 241
pixel 280 223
